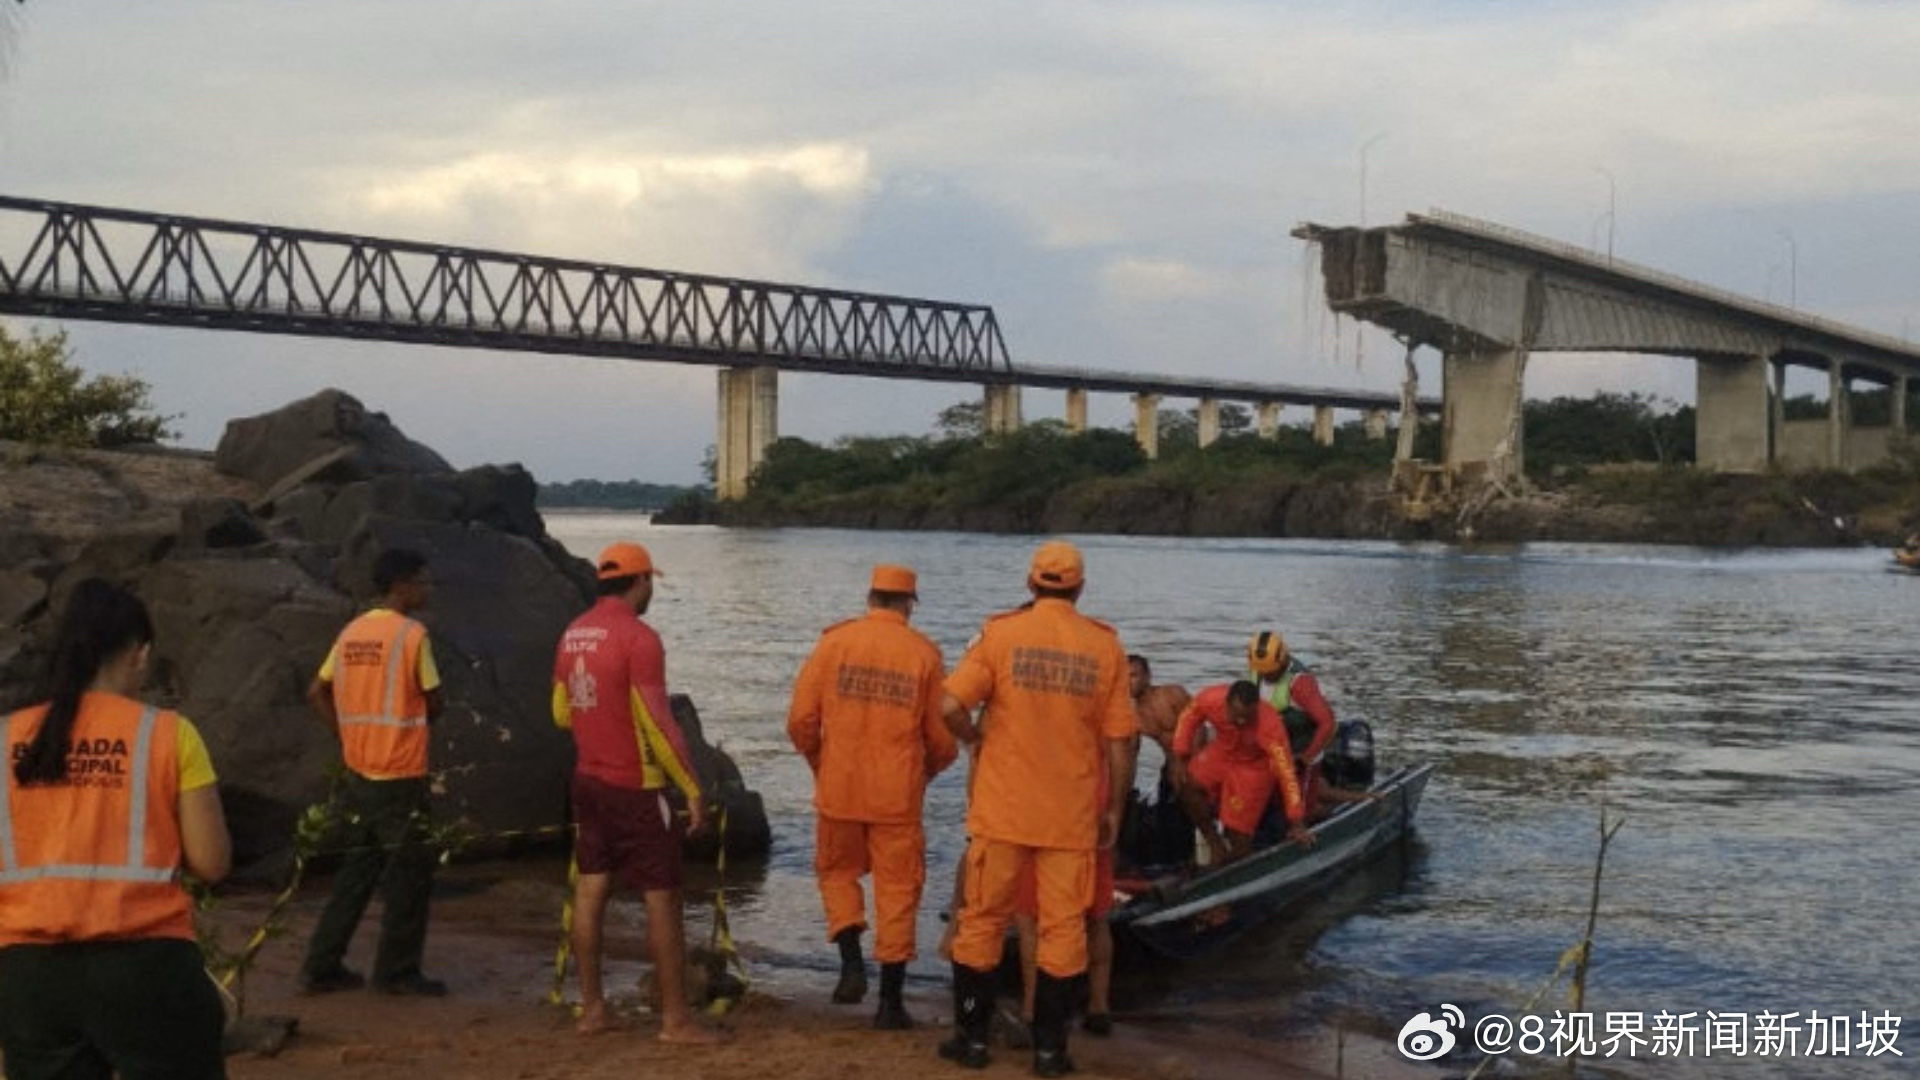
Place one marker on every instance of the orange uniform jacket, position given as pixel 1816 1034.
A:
pixel 1262 744
pixel 1056 684
pixel 95 856
pixel 866 714
pixel 381 670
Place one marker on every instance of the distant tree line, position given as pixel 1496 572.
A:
pixel 612 495
pixel 958 464
pixel 1567 434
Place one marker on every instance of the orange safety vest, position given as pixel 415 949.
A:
pixel 95 856
pixel 376 692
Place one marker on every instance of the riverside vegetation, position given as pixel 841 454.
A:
pixel 1612 467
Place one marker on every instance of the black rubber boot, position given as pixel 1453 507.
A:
pixel 892 1015
pixel 1052 1004
pixel 972 1018
pixel 852 987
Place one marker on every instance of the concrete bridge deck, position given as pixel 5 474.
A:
pixel 1489 297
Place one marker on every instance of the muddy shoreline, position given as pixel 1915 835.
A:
pixel 494 932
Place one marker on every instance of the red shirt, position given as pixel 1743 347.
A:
pixel 610 688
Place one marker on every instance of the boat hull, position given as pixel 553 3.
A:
pixel 1189 918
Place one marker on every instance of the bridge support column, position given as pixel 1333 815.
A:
pixel 1146 423
pixel 1776 451
pixel 1076 410
pixel 1269 419
pixel 1002 414
pixel 1323 425
pixel 1478 424
pixel 1209 422
pixel 1732 413
pixel 749 422
pixel 1376 423
pixel 1839 414
pixel 1897 408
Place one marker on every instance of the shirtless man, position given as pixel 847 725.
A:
pixel 1159 706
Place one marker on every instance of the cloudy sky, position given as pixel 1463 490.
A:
pixel 1117 178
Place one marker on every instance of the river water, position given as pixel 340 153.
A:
pixel 1753 717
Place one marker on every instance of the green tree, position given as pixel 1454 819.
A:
pixel 45 399
pixel 966 420
pixel 1607 427
pixel 1235 419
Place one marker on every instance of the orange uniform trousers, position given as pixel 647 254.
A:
pixel 896 856
pixel 1063 881
pixel 1239 789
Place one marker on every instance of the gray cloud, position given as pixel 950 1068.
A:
pixel 1117 178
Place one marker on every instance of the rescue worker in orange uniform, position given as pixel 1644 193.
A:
pixel 379 688
pixel 1026 913
pixel 866 715
pixel 104 800
pixel 1235 774
pixel 610 690
pixel 1055 686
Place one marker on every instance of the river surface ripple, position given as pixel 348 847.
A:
pixel 1753 716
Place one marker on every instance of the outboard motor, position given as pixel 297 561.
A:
pixel 1348 762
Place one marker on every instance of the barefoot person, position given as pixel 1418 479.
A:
pixel 104 800
pixel 610 690
pixel 866 716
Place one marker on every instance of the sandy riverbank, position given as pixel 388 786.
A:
pixel 493 939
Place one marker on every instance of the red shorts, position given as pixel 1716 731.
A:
pixel 626 832
pixel 1026 897
pixel 1239 790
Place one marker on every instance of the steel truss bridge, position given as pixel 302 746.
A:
pixel 63 260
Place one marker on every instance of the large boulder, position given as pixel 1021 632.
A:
pixel 251 575
pixel 331 427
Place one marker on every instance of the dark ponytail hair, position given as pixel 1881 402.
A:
pixel 101 621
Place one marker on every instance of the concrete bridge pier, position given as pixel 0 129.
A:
pixel 1479 423
pixel 748 424
pixel 1209 422
pixel 1146 423
pixel 1377 423
pixel 1731 409
pixel 1777 421
pixel 1839 414
pixel 1268 413
pixel 1323 425
pixel 1077 411
pixel 1897 408
pixel 1002 413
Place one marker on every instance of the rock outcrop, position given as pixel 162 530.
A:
pixel 251 563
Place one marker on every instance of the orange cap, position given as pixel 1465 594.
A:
pixel 625 560
pixel 1057 565
pixel 895 579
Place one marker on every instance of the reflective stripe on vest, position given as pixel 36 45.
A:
pixel 11 872
pixel 391 690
